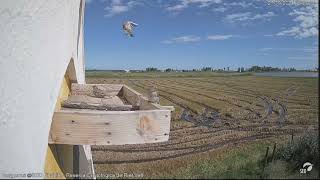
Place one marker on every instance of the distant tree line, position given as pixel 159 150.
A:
pixel 152 69
pixel 211 69
pixel 269 69
pixel 203 69
pixel 226 69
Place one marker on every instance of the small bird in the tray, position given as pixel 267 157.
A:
pixel 128 27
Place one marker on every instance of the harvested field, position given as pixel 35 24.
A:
pixel 212 113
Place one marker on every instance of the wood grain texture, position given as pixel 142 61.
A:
pixel 89 127
pixel 107 91
pixel 102 107
pixel 137 99
pixel 96 90
pixel 113 103
pixel 171 108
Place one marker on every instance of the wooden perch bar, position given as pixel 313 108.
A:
pixel 89 127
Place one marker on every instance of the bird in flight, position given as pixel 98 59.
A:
pixel 128 27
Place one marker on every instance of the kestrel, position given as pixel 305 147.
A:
pixel 128 27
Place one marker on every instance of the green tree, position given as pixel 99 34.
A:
pixel 151 69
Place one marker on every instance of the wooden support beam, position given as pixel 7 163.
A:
pixel 90 127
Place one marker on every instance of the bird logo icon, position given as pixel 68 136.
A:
pixel 308 165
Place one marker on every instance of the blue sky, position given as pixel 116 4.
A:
pixel 186 34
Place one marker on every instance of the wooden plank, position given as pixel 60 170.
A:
pixel 89 127
pixel 114 100
pixel 104 107
pixel 114 103
pixel 137 99
pixel 132 96
pixel 171 108
pixel 96 90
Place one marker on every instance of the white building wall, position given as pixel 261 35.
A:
pixel 37 40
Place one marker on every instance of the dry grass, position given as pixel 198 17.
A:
pixel 179 167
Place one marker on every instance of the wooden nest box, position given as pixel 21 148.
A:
pixel 109 114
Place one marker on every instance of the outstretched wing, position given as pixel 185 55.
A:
pixel 132 23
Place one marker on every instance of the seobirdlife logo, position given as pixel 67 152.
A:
pixel 307 167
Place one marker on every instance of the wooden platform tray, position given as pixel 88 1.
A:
pixel 108 114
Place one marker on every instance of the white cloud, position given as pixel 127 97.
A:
pixel 182 39
pixel 238 17
pixel 118 6
pixel 248 16
pixel 266 49
pixel 311 50
pixel 302 53
pixel 229 5
pixel 220 37
pixel 192 38
pixel 302 58
pixel 220 9
pixel 116 9
pixel 183 4
pixel 177 7
pixel 262 16
pixel 243 4
pixel 292 2
pixel 307 23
